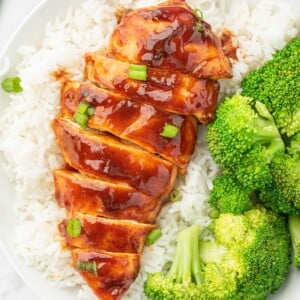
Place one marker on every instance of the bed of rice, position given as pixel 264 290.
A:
pixel 259 31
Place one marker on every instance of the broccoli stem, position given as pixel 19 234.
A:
pixel 186 266
pixel 294 228
pixel 268 133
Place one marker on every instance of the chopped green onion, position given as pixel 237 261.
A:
pixel 90 111
pixel 198 13
pixel 169 131
pixel 153 236
pixel 138 72
pixel 214 213
pixel 73 227
pixel 198 26
pixel 82 107
pixel 12 85
pixel 82 114
pixel 87 266
pixel 81 119
pixel 175 196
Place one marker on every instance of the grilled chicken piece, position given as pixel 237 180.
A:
pixel 107 234
pixel 166 90
pixel 132 121
pixel 108 158
pixel 77 192
pixel 170 35
pixel 108 274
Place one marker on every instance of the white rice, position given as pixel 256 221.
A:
pixel 25 124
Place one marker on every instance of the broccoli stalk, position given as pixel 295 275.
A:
pixel 294 227
pixel 186 265
pixel 248 259
pixel 267 132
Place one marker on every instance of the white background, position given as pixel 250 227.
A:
pixel 12 13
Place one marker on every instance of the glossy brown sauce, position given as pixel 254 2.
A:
pixel 167 38
pixel 108 234
pixel 133 121
pixel 167 90
pixel 115 272
pixel 229 45
pixel 106 157
pixel 76 192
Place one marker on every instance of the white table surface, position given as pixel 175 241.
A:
pixel 12 12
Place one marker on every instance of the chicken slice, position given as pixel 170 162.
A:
pixel 106 234
pixel 132 121
pixel 170 35
pixel 166 90
pixel 108 158
pixel 77 192
pixel 108 274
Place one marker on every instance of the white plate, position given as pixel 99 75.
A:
pixel 31 32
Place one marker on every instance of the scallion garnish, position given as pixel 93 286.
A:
pixel 169 131
pixel 138 72
pixel 175 195
pixel 12 85
pixel 153 236
pixel 87 266
pixel 198 13
pixel 199 26
pixel 82 107
pixel 82 114
pixel 81 119
pixel 73 227
pixel 90 111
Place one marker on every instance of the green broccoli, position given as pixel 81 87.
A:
pixel 277 85
pixel 248 259
pixel 283 194
pixel 228 195
pixel 244 139
pixel 294 227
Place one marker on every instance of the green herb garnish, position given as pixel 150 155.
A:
pixel 153 236
pixel 12 85
pixel 138 72
pixel 87 266
pixel 73 227
pixel 169 131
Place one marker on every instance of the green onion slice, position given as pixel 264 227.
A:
pixel 12 85
pixel 81 119
pixel 90 111
pixel 199 26
pixel 73 227
pixel 87 266
pixel 82 114
pixel 153 236
pixel 138 72
pixel 82 107
pixel 175 195
pixel 198 13
pixel 169 131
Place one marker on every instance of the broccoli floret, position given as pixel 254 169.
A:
pixel 228 195
pixel 248 259
pixel 277 85
pixel 244 139
pixel 294 227
pixel 283 195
